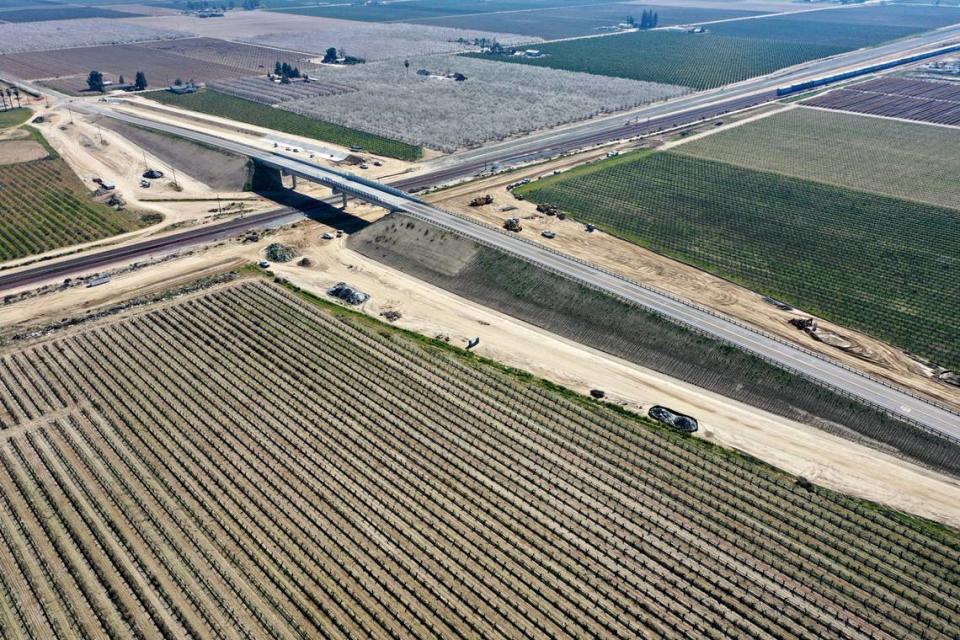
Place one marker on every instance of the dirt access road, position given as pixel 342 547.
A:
pixel 827 460
pixel 643 265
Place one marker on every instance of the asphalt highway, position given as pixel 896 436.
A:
pixel 583 140
pixel 662 115
pixel 90 263
pixel 824 370
pixel 827 371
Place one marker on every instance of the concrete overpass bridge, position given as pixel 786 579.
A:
pixel 344 184
pixel 880 394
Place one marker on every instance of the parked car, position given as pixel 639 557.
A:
pixel 328 236
pixel 549 235
pixel 264 264
pixel 673 419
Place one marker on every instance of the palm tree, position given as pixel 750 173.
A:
pixel 16 92
pixel 4 100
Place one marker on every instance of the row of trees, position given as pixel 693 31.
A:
pixel 9 94
pixel 648 20
pixel 204 5
pixel 286 71
pixel 95 81
pixel 332 56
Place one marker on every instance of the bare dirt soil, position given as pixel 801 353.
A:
pixel 798 448
pixel 266 138
pixel 160 67
pixel 866 353
pixel 218 170
pixel 16 151
pixel 95 151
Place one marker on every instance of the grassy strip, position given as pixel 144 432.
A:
pixel 709 450
pixel 227 106
pixel 14 117
pixel 39 139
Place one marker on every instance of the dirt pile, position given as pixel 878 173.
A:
pixel 350 295
pixel 277 252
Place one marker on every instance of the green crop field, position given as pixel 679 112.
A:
pixel 878 264
pixel 568 22
pixel 14 117
pixel 736 50
pixel 226 106
pixel 245 462
pixel 898 159
pixel 701 61
pixel 549 20
pixel 850 28
pixel 44 206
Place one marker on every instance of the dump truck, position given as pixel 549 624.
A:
pixel 480 201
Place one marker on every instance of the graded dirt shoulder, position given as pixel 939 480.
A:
pixel 642 265
pixel 828 460
pixel 801 449
pixel 17 151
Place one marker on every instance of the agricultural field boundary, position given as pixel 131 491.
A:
pixel 504 498
pixel 700 308
pixel 899 158
pixel 370 242
pixel 227 106
pixel 700 189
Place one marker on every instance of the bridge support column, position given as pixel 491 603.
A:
pixel 343 198
pixel 293 181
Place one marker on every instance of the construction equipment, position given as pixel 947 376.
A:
pixel 513 224
pixel 673 419
pixel 549 209
pixel 480 201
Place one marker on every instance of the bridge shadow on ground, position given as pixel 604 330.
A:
pixel 316 209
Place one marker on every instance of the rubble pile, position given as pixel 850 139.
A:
pixel 348 294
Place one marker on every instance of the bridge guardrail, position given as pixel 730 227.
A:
pixel 714 314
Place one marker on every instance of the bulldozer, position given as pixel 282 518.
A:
pixel 513 224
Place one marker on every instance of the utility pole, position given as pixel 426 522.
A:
pixel 175 184
pixel 100 133
pixel 219 208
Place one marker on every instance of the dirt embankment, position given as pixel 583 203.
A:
pixel 861 351
pixel 416 305
pixel 563 307
pixel 219 170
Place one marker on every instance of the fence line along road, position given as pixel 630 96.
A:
pixel 827 371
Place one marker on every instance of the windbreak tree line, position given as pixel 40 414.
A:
pixel 96 82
